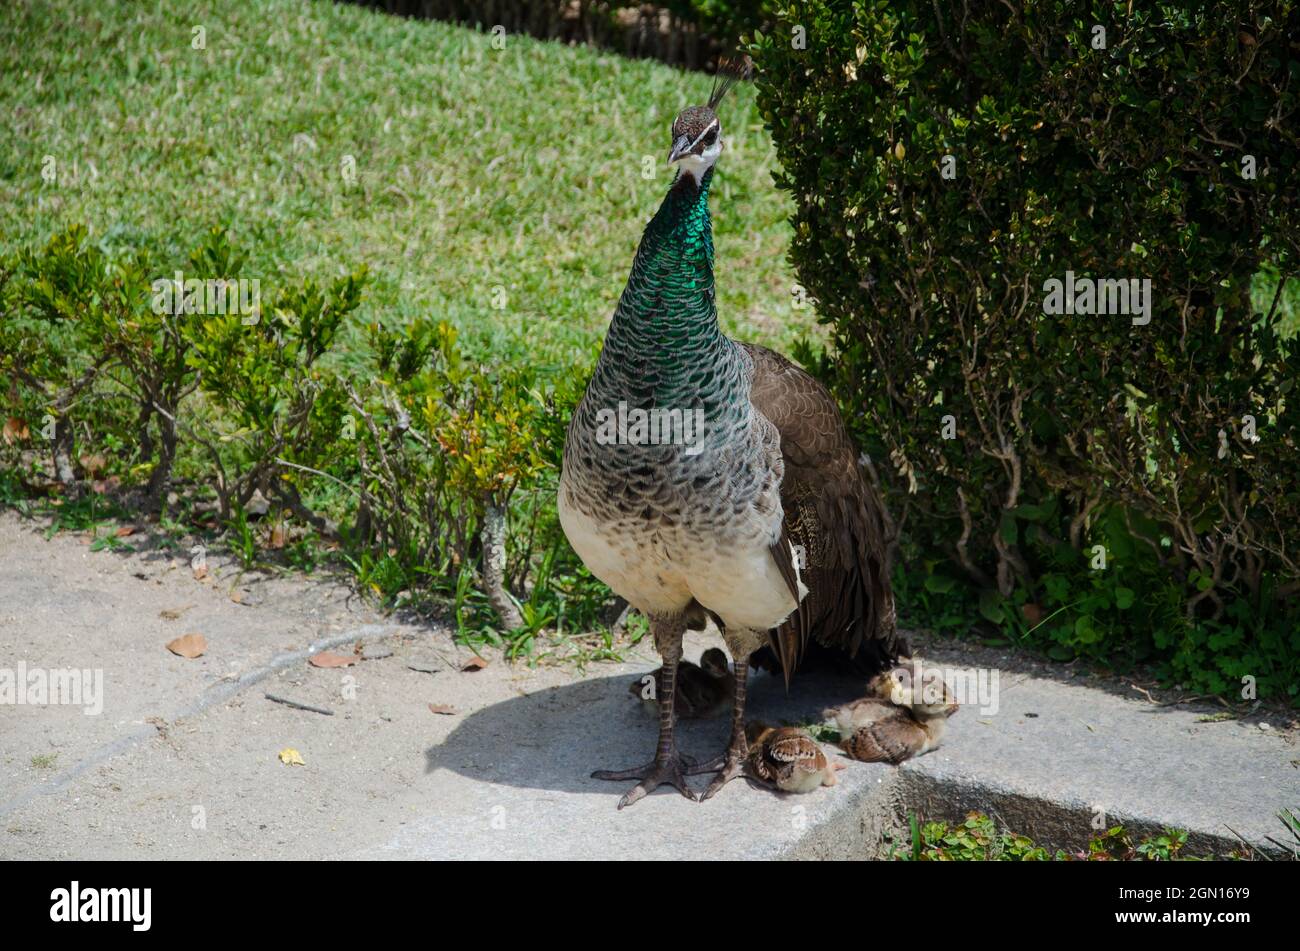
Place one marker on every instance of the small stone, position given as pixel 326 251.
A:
pixel 1265 727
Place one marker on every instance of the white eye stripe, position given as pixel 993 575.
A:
pixel 711 127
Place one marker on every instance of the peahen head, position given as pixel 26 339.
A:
pixel 697 131
pixel 697 140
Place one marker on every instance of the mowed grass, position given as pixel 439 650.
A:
pixel 532 168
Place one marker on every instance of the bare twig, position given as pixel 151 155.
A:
pixel 299 706
pixel 294 465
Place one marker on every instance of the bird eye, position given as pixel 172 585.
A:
pixel 710 137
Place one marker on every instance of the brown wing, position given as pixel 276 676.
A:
pixel 783 754
pixel 791 745
pixel 889 741
pixel 833 516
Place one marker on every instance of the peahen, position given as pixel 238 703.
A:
pixel 704 477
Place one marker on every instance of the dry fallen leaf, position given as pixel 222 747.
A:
pixel 15 430
pixel 237 597
pixel 93 464
pixel 328 659
pixel 474 663
pixel 200 572
pixel 442 708
pixel 124 530
pixel 278 537
pixel 291 757
pixel 189 645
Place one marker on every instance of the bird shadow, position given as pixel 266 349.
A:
pixel 552 739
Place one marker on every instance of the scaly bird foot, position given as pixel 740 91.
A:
pixel 695 768
pixel 672 769
pixel 735 763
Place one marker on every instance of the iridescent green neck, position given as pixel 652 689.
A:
pixel 667 308
pixel 682 228
pixel 664 348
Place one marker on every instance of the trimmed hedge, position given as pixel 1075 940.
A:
pixel 948 168
pixel 691 33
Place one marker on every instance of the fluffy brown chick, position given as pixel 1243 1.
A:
pixel 904 715
pixel 704 690
pixel 787 758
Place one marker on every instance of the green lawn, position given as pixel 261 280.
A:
pixel 475 167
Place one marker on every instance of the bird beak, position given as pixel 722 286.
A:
pixel 679 149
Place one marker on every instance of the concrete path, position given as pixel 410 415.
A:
pixel 183 761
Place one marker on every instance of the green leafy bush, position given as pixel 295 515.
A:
pixel 977 839
pixel 447 463
pixel 458 464
pixel 946 169
pixel 276 410
pixel 51 346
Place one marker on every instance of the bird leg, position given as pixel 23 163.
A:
pixel 733 763
pixel 668 766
